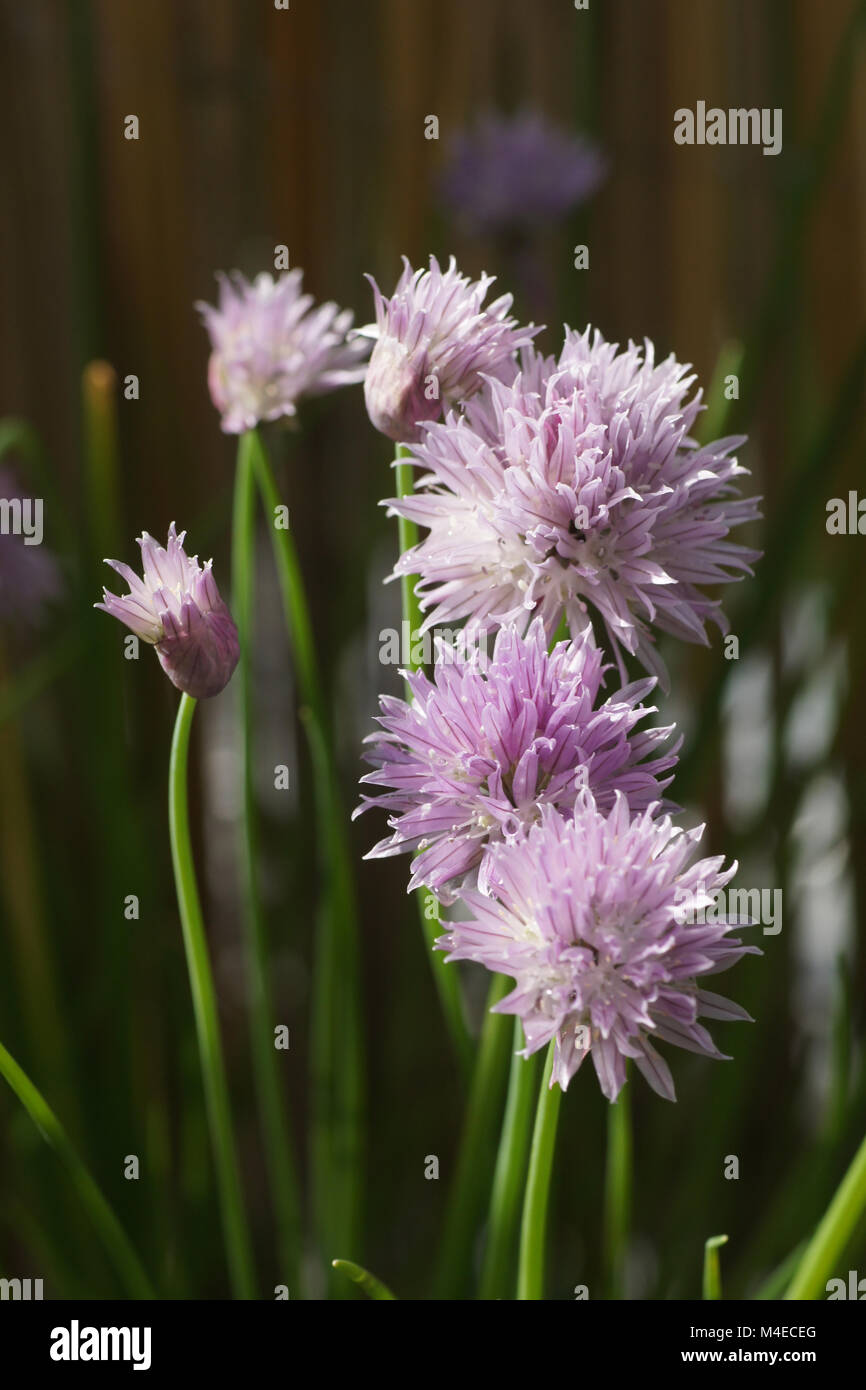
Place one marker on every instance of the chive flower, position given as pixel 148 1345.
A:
pixel 177 608
pixel 435 341
pixel 578 488
pixel 590 915
pixel 479 750
pixel 271 347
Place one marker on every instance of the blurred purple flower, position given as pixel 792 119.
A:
pixel 177 608
pixel 579 484
pixel 434 340
pixel 478 751
pixel 271 347
pixel 30 577
pixel 587 916
pixel 513 174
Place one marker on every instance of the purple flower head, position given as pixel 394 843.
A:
pixel 477 752
pixel 513 174
pixel 579 486
pixel 177 608
pixel 30 578
pixel 271 347
pixel 434 340
pixel 590 917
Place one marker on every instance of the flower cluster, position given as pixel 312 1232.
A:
pixel 555 490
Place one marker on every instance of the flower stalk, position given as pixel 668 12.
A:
pixel 235 1231
pixel 277 1143
pixel 497 1275
pixel 618 1192
pixel 533 1231
pixel 337 1043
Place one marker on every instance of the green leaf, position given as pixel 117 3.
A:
pixel 113 1236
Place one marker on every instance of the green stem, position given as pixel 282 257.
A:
pixel 238 1247
pixel 833 1233
pixel 110 1231
pixel 530 1276
pixel 497 1279
pixel 445 977
pixel 373 1287
pixel 269 1082
pixel 475 1158
pixel 712 1286
pixel 337 1044
pixel 618 1191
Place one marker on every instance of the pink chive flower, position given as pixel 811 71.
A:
pixel 578 487
pixel 271 347
pixel 590 917
pixel 512 174
pixel 484 746
pixel 177 608
pixel 435 341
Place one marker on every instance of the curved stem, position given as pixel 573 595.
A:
pixel 112 1234
pixel 337 1048
pixel 445 977
pixel 475 1158
pixel 238 1247
pixel 275 1127
pixel 497 1276
pixel 833 1233
pixel 533 1232
pixel 373 1287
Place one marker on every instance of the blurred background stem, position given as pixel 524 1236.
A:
pixel 235 1230
pixel 104 1221
pixel 833 1233
pixel 22 874
pixel 266 1060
